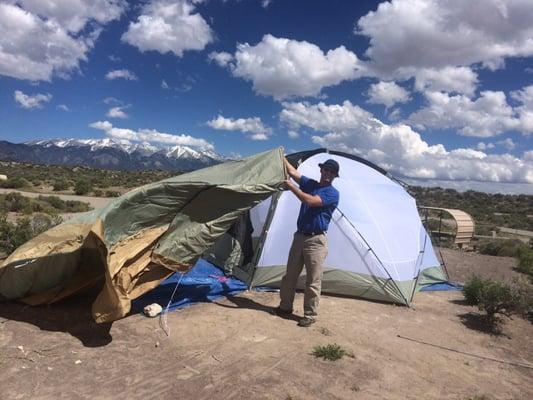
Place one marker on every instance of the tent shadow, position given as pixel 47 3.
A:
pixel 72 316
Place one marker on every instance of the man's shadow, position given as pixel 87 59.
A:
pixel 71 315
pixel 245 302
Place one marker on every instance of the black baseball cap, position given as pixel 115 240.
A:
pixel 331 164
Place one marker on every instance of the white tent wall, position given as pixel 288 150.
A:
pixel 377 243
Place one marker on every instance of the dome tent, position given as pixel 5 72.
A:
pixel 378 247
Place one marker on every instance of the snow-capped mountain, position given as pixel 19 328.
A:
pixel 108 153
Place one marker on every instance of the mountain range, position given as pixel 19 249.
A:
pixel 109 154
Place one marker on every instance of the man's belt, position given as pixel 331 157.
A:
pixel 311 233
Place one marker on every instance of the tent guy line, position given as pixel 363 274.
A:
pixel 514 363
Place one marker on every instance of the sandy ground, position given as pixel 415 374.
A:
pixel 235 349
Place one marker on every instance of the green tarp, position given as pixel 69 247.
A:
pixel 140 238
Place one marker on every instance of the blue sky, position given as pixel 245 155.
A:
pixel 427 89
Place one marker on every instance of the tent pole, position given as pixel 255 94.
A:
pixel 375 255
pixel 420 257
pixel 261 241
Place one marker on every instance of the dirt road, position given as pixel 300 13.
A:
pixel 95 202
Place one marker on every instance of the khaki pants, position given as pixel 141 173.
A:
pixel 310 251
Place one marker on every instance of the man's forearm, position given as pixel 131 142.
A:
pixel 293 172
pixel 312 201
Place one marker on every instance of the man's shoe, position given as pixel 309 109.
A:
pixel 281 312
pixel 306 322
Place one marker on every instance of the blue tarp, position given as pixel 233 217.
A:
pixel 203 283
pixel 439 287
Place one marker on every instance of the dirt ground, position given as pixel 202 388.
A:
pixel 235 349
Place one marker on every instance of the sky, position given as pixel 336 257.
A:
pixel 430 90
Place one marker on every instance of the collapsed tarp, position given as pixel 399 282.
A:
pixel 140 238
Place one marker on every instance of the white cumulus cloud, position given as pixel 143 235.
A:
pixel 449 79
pixel 410 35
pixel 387 93
pixel 169 26
pixel 252 126
pixel 121 74
pixel 508 144
pixel 398 148
pixel 150 136
pixel 222 58
pixel 30 102
pixel 284 68
pixel 117 112
pixel 43 39
pixel 488 115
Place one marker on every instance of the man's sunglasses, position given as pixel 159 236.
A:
pixel 330 170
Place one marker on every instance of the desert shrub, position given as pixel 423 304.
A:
pixel 54 201
pixel 331 352
pixel 12 235
pixel 97 193
pixel 60 184
pixel 16 183
pixel 495 297
pixel 525 263
pixel 111 193
pixel 502 248
pixel 522 292
pixel 15 202
pixel 74 206
pixel 472 290
pixel 82 186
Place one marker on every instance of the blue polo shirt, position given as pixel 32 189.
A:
pixel 316 219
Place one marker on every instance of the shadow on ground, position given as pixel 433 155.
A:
pixel 244 302
pixel 479 322
pixel 72 316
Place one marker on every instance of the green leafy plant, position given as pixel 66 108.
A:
pixel 525 263
pixel 331 352
pixel 12 235
pixel 497 298
pixel 82 186
pixel 60 185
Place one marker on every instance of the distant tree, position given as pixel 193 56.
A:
pixel 83 186
pixel 60 184
pixel 16 183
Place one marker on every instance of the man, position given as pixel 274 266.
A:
pixel 309 246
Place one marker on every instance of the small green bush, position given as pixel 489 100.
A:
pixel 82 187
pixel 15 202
pixel 60 184
pixel 495 297
pixel 472 290
pixel 111 193
pixel 12 235
pixel 525 263
pixel 16 183
pixel 54 201
pixel 331 352
pixel 502 248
